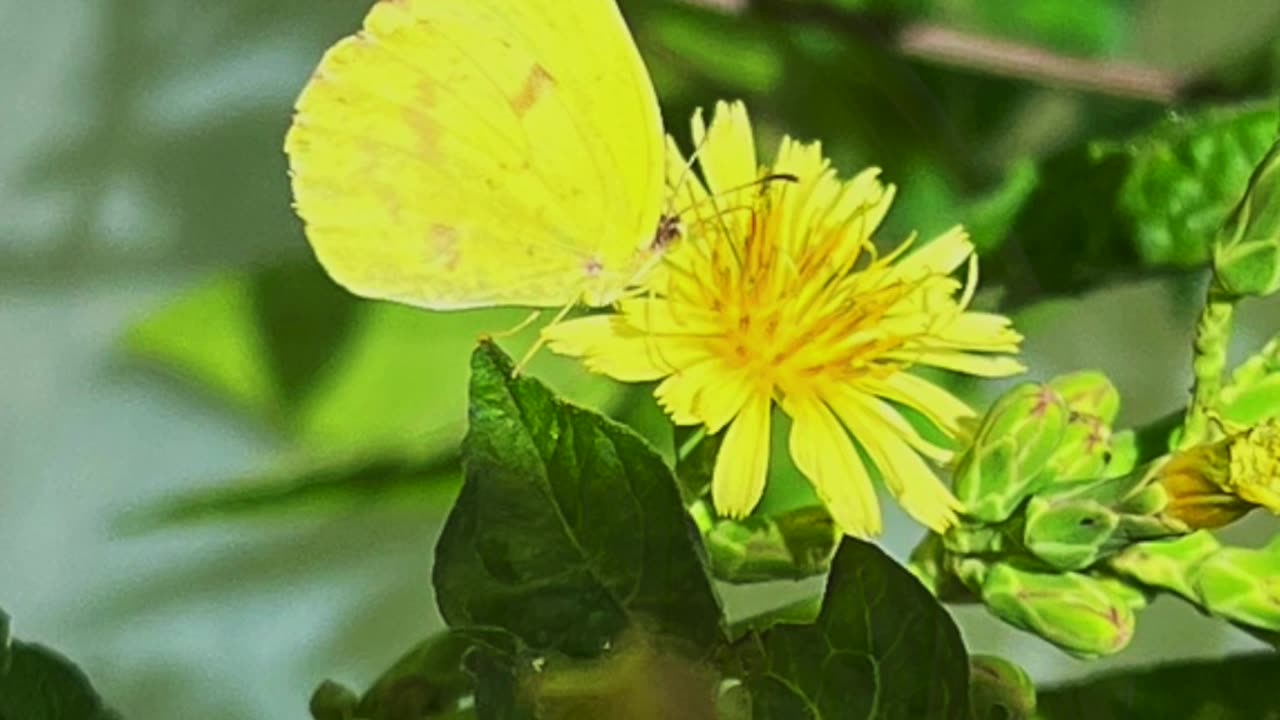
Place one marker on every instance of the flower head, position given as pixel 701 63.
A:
pixel 776 296
pixel 1216 483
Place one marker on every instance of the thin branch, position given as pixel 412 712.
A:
pixel 932 43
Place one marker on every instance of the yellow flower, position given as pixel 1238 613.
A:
pixel 1216 483
pixel 776 296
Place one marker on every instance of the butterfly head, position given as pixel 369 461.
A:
pixel 669 230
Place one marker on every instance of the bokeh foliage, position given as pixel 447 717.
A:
pixel 172 165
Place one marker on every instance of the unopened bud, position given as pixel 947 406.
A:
pixel 1015 441
pixel 1068 536
pixel 1088 392
pixel 1167 564
pixel 1243 585
pixel 1246 253
pixel 1085 616
pixel 998 689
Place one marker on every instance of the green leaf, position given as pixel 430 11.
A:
pixel 1000 690
pixel 498 685
pixel 314 485
pixel 882 647
pixel 298 348
pixel 37 683
pixel 372 394
pixel 696 453
pixel 1237 688
pixel 430 679
pixel 801 75
pixel 293 350
pixel 569 527
pixel 427 682
pixel 1112 209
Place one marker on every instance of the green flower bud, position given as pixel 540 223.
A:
pixel 1092 402
pixel 1011 448
pixel 1070 535
pixel 1073 526
pixel 1000 690
pixel 1137 528
pixel 1112 492
pixel 1085 616
pixel 1243 585
pixel 971 572
pixel 1167 564
pixel 1088 392
pixel 970 539
pixel 1150 500
pixel 790 546
pixel 1124 454
pixel 1084 450
pixel 1246 252
pixel 930 563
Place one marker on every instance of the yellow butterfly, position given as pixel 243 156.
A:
pixel 468 153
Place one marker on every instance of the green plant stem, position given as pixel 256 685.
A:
pixel 1213 335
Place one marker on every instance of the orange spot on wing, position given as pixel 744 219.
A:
pixel 424 124
pixel 535 85
pixel 442 245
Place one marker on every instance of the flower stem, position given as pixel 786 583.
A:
pixel 1213 335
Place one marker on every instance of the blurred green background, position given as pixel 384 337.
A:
pixel 221 477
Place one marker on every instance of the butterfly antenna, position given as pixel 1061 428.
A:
pixel 762 181
pixel 687 170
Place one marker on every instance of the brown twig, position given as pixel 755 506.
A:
pixel 934 43
pixel 1008 59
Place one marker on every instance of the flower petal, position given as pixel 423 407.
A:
pixel 975 331
pixel 935 403
pixel 961 362
pixel 704 393
pixel 742 465
pixel 887 416
pixel 823 451
pixel 607 346
pixel 657 316
pixel 727 151
pixel 940 257
pixel 911 481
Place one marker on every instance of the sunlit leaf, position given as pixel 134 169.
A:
pixel 315 486
pixel 569 528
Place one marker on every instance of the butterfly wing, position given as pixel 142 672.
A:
pixel 466 153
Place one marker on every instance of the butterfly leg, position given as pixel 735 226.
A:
pixel 537 345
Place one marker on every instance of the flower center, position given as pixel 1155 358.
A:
pixel 794 310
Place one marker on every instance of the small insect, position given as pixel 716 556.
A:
pixel 670 230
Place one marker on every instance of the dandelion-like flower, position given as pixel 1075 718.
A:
pixel 776 296
pixel 1216 483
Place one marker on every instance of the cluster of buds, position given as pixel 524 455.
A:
pixel 1057 519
